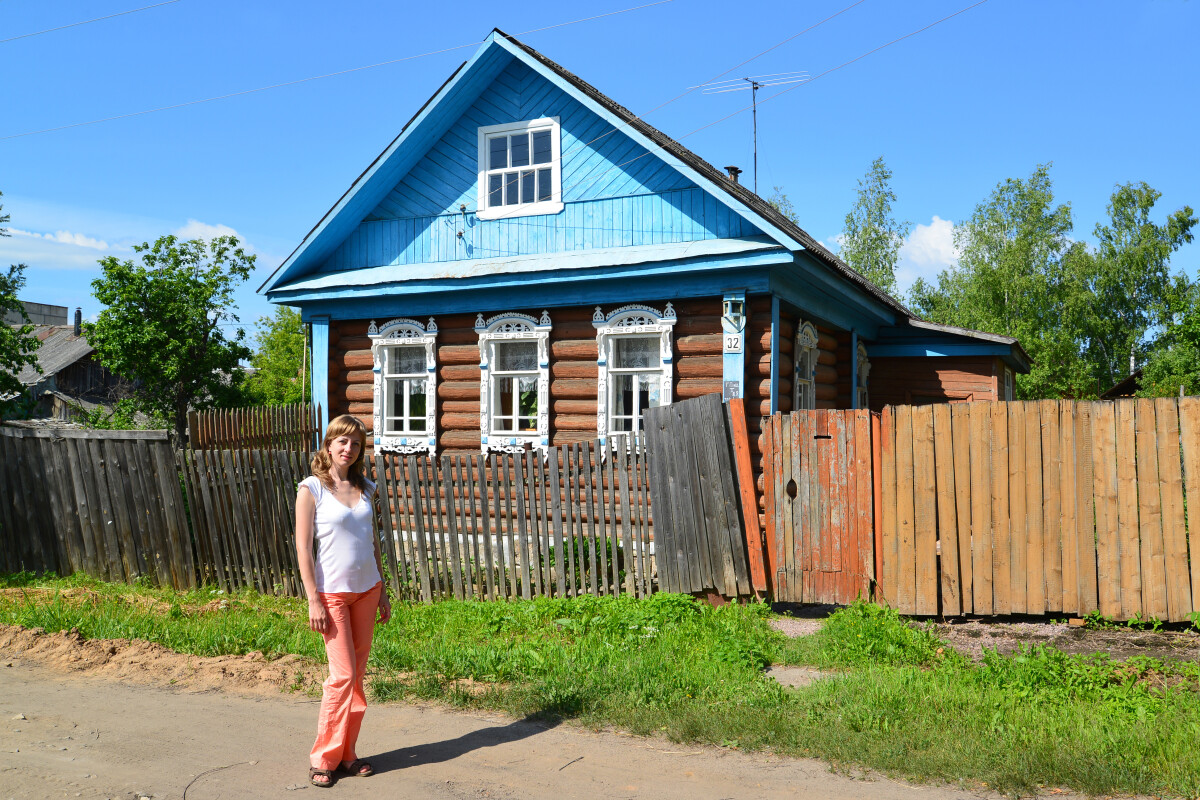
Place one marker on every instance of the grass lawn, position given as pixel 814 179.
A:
pixel 899 700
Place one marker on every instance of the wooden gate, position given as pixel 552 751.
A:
pixel 821 492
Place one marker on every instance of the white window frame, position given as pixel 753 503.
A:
pixel 804 359
pixel 552 206
pixel 407 333
pixel 509 327
pixel 631 321
pixel 864 370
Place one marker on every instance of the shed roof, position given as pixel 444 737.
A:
pixel 59 349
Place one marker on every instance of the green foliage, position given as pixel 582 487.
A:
pixel 1019 275
pixel 865 634
pixel 1133 288
pixel 872 237
pixel 277 360
pixel 781 203
pixel 122 417
pixel 18 347
pixel 163 324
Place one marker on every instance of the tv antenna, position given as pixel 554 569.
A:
pixel 753 83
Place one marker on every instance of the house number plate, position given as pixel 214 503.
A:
pixel 732 343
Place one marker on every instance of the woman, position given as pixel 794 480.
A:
pixel 344 590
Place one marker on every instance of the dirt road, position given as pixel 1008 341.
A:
pixel 82 732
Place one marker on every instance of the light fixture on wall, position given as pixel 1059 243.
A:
pixel 733 313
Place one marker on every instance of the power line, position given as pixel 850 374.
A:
pixel 793 88
pixel 317 77
pixel 86 22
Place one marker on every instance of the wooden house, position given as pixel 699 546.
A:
pixel 529 264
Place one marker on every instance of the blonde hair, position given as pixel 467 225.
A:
pixel 345 425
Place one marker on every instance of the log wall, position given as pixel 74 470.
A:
pixel 574 375
pixel 921 381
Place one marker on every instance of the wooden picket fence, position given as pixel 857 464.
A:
pixel 106 503
pixel 518 525
pixel 1042 507
pixel 284 427
pixel 242 505
pixel 459 526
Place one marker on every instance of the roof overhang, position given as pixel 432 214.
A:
pixel 914 337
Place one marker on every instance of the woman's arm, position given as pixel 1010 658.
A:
pixel 385 604
pixel 306 512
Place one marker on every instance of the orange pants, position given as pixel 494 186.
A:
pixel 343 702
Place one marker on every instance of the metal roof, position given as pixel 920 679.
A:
pixel 59 349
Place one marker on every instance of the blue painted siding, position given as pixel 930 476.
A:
pixel 616 193
pixel 683 215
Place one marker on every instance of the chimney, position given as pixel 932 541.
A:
pixel 78 321
pixel 733 173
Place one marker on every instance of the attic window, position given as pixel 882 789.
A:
pixel 520 169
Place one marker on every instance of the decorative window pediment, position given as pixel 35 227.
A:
pixel 514 382
pixel 804 359
pixel 636 366
pixel 520 169
pixel 404 359
pixel 864 370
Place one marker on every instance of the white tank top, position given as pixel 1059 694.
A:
pixel 345 543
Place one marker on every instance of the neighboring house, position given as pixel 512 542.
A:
pixel 1126 387
pixel 528 264
pixel 70 378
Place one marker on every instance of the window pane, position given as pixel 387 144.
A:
pixel 648 385
pixel 520 150
pixel 394 407
pixel 527 186
pixel 541 147
pixel 406 360
pixel 543 184
pixel 510 188
pixel 495 190
pixel 503 405
pixel 635 352
pixel 416 406
pixel 516 356
pixel 498 158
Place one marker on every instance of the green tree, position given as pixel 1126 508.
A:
pixel 781 203
pixel 1175 362
pixel 1019 275
pixel 18 347
pixel 163 324
pixel 278 356
pixel 1133 284
pixel 872 238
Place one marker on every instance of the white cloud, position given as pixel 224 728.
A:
pixel 931 245
pixel 195 229
pixel 64 237
pixel 928 250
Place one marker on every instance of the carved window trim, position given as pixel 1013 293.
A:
pixel 509 327
pixel 402 331
pixel 864 369
pixel 804 359
pixel 632 320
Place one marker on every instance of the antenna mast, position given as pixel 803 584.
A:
pixel 754 83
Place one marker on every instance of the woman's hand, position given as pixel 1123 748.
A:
pixel 385 607
pixel 318 617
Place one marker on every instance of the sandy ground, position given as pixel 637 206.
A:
pixel 115 719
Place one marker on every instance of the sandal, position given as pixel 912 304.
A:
pixel 358 768
pixel 313 772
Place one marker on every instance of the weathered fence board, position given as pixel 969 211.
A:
pixel 106 503
pixel 1073 507
pixel 286 427
pixel 695 502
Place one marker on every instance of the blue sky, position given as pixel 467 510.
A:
pixel 1104 90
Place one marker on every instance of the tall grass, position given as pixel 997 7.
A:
pixel 897 699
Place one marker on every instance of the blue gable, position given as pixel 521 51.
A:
pixel 416 204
